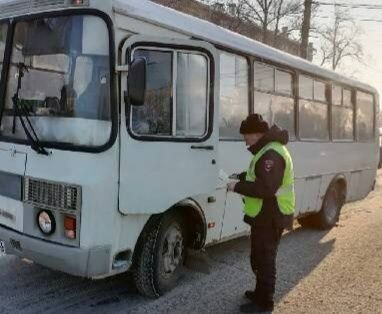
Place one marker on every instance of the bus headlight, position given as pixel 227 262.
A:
pixel 46 222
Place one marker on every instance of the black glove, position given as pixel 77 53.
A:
pixel 242 176
pixel 249 220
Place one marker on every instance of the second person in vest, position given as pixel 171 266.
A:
pixel 268 190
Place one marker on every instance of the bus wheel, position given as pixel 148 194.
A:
pixel 331 207
pixel 329 214
pixel 306 221
pixel 160 255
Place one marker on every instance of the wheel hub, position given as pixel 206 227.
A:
pixel 172 250
pixel 332 204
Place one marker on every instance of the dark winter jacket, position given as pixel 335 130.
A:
pixel 269 175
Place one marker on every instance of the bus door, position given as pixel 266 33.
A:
pixel 168 144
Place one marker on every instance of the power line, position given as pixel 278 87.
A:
pixel 358 19
pixel 350 5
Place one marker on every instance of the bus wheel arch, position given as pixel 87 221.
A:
pixel 333 200
pixel 340 180
pixel 196 227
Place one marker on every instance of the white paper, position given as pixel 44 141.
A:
pixel 223 176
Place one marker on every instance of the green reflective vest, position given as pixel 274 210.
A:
pixel 285 195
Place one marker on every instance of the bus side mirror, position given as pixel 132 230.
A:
pixel 136 83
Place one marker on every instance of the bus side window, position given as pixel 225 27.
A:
pixel 313 109
pixel 174 107
pixel 273 97
pixel 233 94
pixel 191 95
pixel 365 116
pixel 154 117
pixel 283 102
pixel 342 114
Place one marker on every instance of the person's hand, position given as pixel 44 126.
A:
pixel 231 186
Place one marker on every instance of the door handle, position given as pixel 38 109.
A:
pixel 208 147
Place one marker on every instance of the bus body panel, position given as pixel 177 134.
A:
pixel 12 168
pixel 123 186
pixel 98 178
pixel 234 158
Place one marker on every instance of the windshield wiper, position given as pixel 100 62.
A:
pixel 21 111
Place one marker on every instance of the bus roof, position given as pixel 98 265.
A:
pixel 204 30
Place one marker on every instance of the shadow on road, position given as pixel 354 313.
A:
pixel 301 251
pixel 40 289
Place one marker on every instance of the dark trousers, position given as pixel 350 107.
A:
pixel 264 245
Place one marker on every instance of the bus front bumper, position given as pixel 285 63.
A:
pixel 90 263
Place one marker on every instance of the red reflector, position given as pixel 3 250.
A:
pixel 211 225
pixel 70 223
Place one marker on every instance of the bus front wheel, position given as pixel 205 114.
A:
pixel 160 255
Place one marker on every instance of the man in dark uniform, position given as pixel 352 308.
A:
pixel 268 187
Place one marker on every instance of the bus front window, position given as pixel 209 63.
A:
pixel 3 36
pixel 65 89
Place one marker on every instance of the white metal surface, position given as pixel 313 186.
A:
pixel 234 158
pixel 155 175
pixel 12 160
pixel 97 174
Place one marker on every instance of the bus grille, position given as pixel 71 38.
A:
pixel 21 7
pixel 52 195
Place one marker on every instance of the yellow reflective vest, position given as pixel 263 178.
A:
pixel 285 195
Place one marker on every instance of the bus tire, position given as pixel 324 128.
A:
pixel 306 221
pixel 160 255
pixel 330 211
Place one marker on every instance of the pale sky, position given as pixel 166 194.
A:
pixel 371 71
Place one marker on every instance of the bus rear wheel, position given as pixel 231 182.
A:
pixel 330 211
pixel 160 255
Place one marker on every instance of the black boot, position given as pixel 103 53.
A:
pixel 253 307
pixel 251 295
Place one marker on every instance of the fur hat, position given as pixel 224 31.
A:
pixel 254 123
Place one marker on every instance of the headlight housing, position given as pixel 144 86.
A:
pixel 46 222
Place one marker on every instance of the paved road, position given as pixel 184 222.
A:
pixel 319 272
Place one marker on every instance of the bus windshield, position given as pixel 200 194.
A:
pixel 65 84
pixel 3 35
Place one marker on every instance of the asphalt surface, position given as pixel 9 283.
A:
pixel 339 271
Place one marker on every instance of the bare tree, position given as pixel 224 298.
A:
pixel 305 28
pixel 269 14
pixel 236 9
pixel 340 41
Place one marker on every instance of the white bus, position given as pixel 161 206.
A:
pixel 118 116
